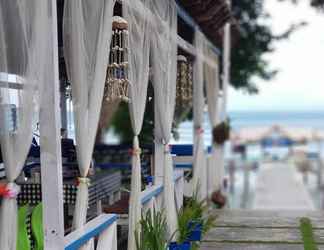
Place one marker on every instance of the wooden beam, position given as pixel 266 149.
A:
pixel 50 142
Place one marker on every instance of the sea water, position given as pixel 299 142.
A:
pixel 250 119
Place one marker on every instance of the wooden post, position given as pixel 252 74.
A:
pixel 51 161
pixel 226 82
pixel 227 67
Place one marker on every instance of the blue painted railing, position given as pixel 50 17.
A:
pixel 92 229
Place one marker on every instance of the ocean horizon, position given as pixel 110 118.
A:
pixel 245 119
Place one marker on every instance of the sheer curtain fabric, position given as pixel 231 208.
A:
pixel 24 47
pixel 164 62
pixel 211 75
pixel 199 182
pixel 138 59
pixel 86 35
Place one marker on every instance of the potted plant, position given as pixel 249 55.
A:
pixel 221 132
pixel 194 221
pixel 153 232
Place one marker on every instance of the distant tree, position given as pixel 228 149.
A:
pixel 254 41
pixel 318 4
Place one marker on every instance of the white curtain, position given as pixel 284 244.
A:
pixel 86 34
pixel 138 59
pixel 211 75
pixel 199 163
pixel 164 62
pixel 24 47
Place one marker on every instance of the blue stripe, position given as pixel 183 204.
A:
pixel 182 149
pixel 91 234
pixel 183 165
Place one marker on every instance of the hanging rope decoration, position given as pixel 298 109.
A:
pixel 117 81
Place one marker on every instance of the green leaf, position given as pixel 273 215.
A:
pixel 23 242
pixel 37 227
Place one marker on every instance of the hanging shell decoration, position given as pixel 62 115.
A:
pixel 184 81
pixel 117 81
pixel 184 88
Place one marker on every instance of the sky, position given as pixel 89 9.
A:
pixel 299 84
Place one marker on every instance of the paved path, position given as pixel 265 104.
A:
pixel 279 187
pixel 262 230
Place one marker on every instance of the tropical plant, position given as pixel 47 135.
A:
pixel 152 231
pixel 194 212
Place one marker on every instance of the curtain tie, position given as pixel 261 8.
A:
pixel 200 130
pixel 166 148
pixel 83 180
pixel 135 151
pixel 9 190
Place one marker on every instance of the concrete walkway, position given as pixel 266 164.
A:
pixel 279 187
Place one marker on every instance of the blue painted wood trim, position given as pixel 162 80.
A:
pixel 183 165
pixel 91 234
pixel 152 194
pixel 182 149
pixel 116 165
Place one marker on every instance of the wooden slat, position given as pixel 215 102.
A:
pixel 267 219
pixel 242 246
pixel 264 230
pixel 270 235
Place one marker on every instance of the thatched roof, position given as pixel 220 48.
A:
pixel 211 15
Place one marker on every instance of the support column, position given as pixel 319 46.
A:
pixel 226 82
pixel 51 161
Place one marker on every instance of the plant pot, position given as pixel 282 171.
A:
pixel 180 246
pixel 221 133
pixel 149 179
pixel 219 199
pixel 195 231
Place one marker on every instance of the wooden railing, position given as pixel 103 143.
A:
pixel 152 196
pixel 103 228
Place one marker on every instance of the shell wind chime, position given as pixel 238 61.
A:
pixel 117 81
pixel 184 81
pixel 184 88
